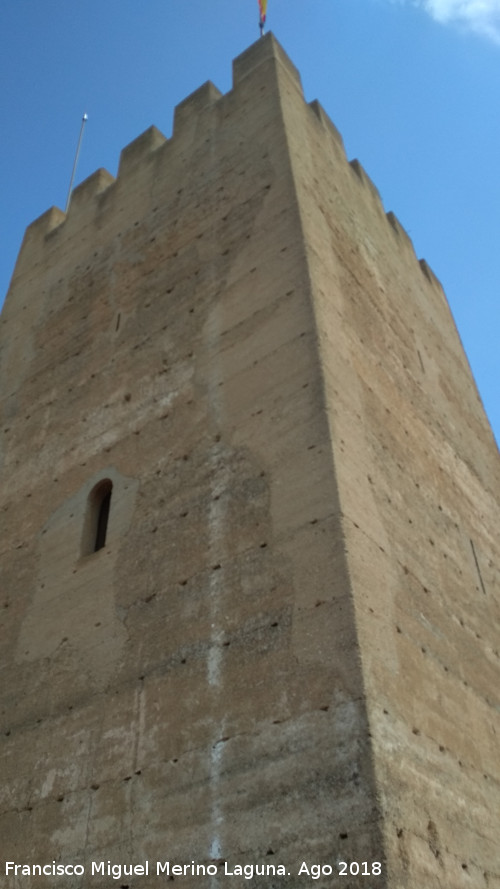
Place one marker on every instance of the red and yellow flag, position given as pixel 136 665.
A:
pixel 263 10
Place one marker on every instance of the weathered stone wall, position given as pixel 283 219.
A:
pixel 418 477
pixel 192 690
pixel 285 651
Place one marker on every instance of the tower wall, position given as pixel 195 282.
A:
pixel 418 477
pixel 275 654
pixel 184 695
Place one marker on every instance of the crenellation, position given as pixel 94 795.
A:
pixel 45 223
pixel 399 230
pixel 429 274
pixel 187 112
pixel 328 124
pixel 140 149
pixel 260 53
pixel 363 176
pixel 138 154
pixel 83 195
pixel 34 239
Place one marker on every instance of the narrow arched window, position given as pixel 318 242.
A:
pixel 97 518
pixel 102 518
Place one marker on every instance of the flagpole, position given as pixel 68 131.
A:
pixel 262 15
pixel 84 121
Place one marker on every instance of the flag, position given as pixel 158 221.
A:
pixel 263 8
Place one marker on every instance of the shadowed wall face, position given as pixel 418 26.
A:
pixel 272 655
pixel 418 478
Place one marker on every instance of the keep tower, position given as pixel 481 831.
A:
pixel 249 520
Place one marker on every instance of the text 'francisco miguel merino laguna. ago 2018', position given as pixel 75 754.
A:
pixel 193 869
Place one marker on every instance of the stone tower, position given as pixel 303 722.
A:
pixel 249 557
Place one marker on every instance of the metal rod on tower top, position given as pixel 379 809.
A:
pixel 84 121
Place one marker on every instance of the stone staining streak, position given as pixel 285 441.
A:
pixel 272 647
pixel 219 532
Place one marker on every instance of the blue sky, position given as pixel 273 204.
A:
pixel 413 86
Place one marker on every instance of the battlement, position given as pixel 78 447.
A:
pixel 265 67
pixel 135 152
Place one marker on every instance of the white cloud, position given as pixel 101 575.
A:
pixel 482 16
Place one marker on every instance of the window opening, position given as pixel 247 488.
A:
pixel 102 521
pixel 97 517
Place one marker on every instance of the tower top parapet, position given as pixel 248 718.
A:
pixel 193 117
